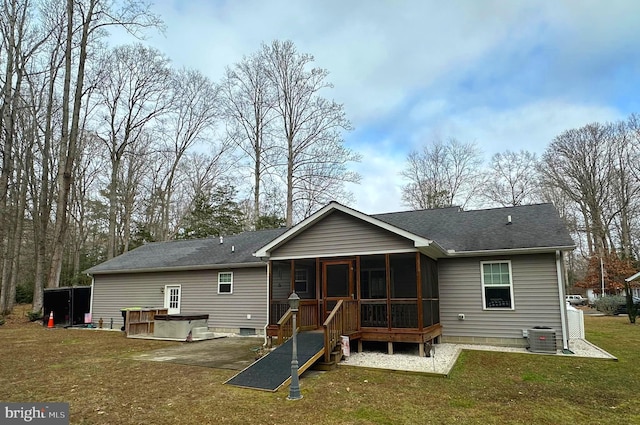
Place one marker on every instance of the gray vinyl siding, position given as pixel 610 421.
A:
pixel 535 293
pixel 199 294
pixel 340 233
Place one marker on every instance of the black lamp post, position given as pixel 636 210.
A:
pixel 294 388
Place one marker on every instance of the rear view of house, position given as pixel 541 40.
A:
pixel 483 276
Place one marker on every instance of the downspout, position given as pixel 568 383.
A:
pixel 266 341
pixel 563 307
pixel 91 302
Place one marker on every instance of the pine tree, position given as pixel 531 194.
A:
pixel 213 215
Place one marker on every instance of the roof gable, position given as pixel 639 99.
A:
pixel 418 241
pixel 341 234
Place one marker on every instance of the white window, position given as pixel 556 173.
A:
pixel 497 285
pixel 225 283
pixel 301 281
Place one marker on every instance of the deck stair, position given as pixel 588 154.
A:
pixel 273 371
pixel 335 358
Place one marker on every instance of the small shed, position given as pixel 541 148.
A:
pixel 68 304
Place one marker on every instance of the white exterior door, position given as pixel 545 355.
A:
pixel 172 298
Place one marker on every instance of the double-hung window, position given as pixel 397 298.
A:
pixel 225 283
pixel 497 285
pixel 301 284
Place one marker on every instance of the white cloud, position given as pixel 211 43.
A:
pixel 380 189
pixel 531 126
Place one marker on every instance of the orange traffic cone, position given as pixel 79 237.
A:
pixel 50 325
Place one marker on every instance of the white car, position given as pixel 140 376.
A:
pixel 576 300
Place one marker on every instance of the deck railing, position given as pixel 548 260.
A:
pixel 342 320
pixel 307 319
pixel 404 314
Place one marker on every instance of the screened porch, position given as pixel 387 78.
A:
pixel 387 297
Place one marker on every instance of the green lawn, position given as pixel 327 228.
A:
pixel 95 373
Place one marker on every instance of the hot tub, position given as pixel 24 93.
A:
pixel 178 326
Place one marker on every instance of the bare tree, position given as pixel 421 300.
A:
pixel 14 213
pixel 87 170
pixel 12 28
pixel 513 179
pixel 21 40
pixel 86 21
pixel 45 110
pixel 624 206
pixel 203 173
pixel 579 163
pixel 135 92
pixel 442 175
pixel 310 125
pixel 189 121
pixel 248 100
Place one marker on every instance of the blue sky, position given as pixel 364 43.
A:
pixel 504 74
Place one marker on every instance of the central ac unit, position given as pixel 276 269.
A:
pixel 542 340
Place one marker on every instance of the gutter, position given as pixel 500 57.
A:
pixel 177 268
pixel 506 251
pixel 563 307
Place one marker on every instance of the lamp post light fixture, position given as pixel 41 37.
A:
pixel 294 388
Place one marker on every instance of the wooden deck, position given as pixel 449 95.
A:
pixel 344 320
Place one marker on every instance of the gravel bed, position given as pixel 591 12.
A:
pixel 444 357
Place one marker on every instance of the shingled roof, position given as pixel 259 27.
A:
pixel 190 254
pixel 531 226
pixel 454 231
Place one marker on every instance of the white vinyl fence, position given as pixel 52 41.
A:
pixel 575 318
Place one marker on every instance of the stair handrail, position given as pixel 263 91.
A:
pixel 285 327
pixel 332 330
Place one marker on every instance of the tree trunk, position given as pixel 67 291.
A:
pixel 69 138
pixel 113 200
pixel 290 159
pixel 256 189
pixel 17 240
pixel 7 114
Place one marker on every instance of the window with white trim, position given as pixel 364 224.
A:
pixel 225 283
pixel 497 285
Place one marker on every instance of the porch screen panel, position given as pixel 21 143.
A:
pixel 281 271
pixel 429 277
pixel 404 314
pixel 430 312
pixel 430 292
pixel 373 277
pixel 338 280
pixel 305 278
pixel 403 290
pixel 373 292
pixel 373 314
pixel 281 287
pixel 404 279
